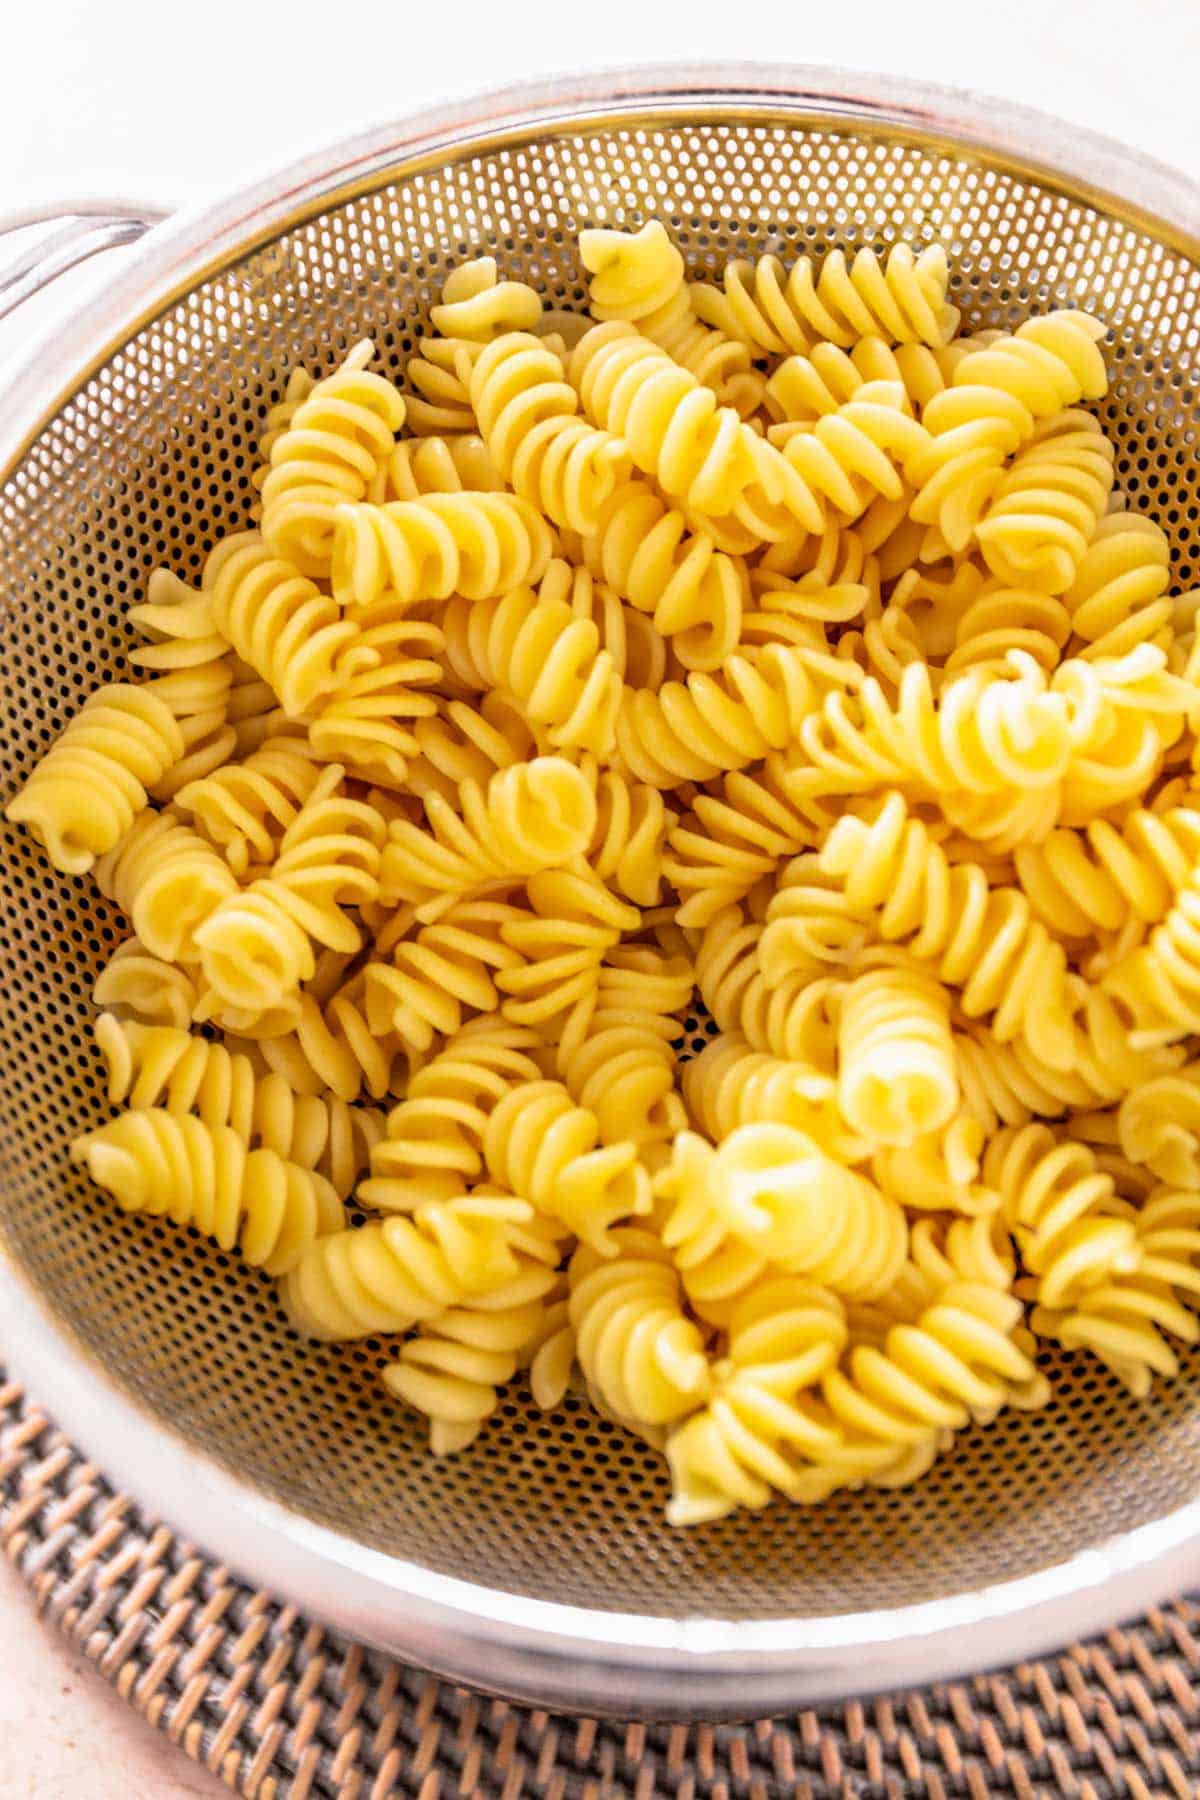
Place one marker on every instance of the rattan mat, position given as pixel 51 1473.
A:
pixel 281 1708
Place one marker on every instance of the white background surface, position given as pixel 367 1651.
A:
pixel 170 104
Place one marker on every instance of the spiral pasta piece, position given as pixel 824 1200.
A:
pixel 167 880
pixel 160 1066
pixel 281 624
pixel 961 1360
pixel 330 1048
pixel 639 276
pixel 1159 981
pixel 256 947
pixel 433 1145
pixel 638 1350
pixel 333 450
pixel 572 922
pixel 1044 511
pixel 701 455
pixel 623 1068
pixel 759 1427
pixel 1062 1209
pixel 245 807
pixel 173 1166
pixel 540 1144
pixel 981 939
pixel 897 1081
pixel 136 983
pixel 391 1274
pixel 696 729
pixel 939 1172
pixel 997 394
pixel 452 1366
pixel 443 969
pixel 779 311
pixel 89 787
pixel 366 724
pixel 185 643
pixel 978 736
pixel 789 1018
pixel 733 839
pixel 476 544
pixel 441 465
pixel 1159 1126
pixel 1128 1322
pixel 535 648
pixel 853 455
pixel 535 815
pixel 805 388
pixel 439 379
pixel 478 305
pixel 527 416
pixel 789 1202
pixel 731 1084
pixel 1083 883
pixel 628 844
pixel 693 591
pixel 1117 598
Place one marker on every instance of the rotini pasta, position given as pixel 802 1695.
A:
pixel 151 1065
pixel 475 544
pixel 527 414
pixel 694 591
pixel 639 276
pixel 87 790
pixel 636 1346
pixel 172 1165
pixel 256 947
pixel 167 880
pixel 762 646
pixel 334 448
pixel 391 1274
pixel 532 816
pixel 782 312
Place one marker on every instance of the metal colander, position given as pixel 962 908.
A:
pixel 537 1562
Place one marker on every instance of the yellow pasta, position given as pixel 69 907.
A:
pixel 334 448
pixel 760 645
pixel 168 1165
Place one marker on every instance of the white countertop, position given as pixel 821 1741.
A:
pixel 127 98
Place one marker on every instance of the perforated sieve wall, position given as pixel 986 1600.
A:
pixel 147 464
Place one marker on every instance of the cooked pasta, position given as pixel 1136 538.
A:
pixel 256 946
pixel 391 1274
pixel 640 276
pixel 636 1345
pixel 171 1165
pixel 149 1065
pixel 89 788
pixel 761 645
pixel 897 1080
pixel 334 448
pixel 476 544
pixel 694 592
pixel 776 310
pixel 527 417
pixel 535 815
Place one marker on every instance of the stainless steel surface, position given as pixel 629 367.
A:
pixel 538 1563
pixel 82 229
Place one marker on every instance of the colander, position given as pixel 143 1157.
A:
pixel 537 1564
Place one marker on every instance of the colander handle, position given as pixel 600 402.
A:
pixel 82 229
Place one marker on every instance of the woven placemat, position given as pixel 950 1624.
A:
pixel 282 1709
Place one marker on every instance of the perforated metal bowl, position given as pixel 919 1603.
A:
pixel 537 1563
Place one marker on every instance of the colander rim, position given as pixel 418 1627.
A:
pixel 547 1651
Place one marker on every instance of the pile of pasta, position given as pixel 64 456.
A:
pixel 766 644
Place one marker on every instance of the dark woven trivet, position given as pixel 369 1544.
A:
pixel 280 1707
